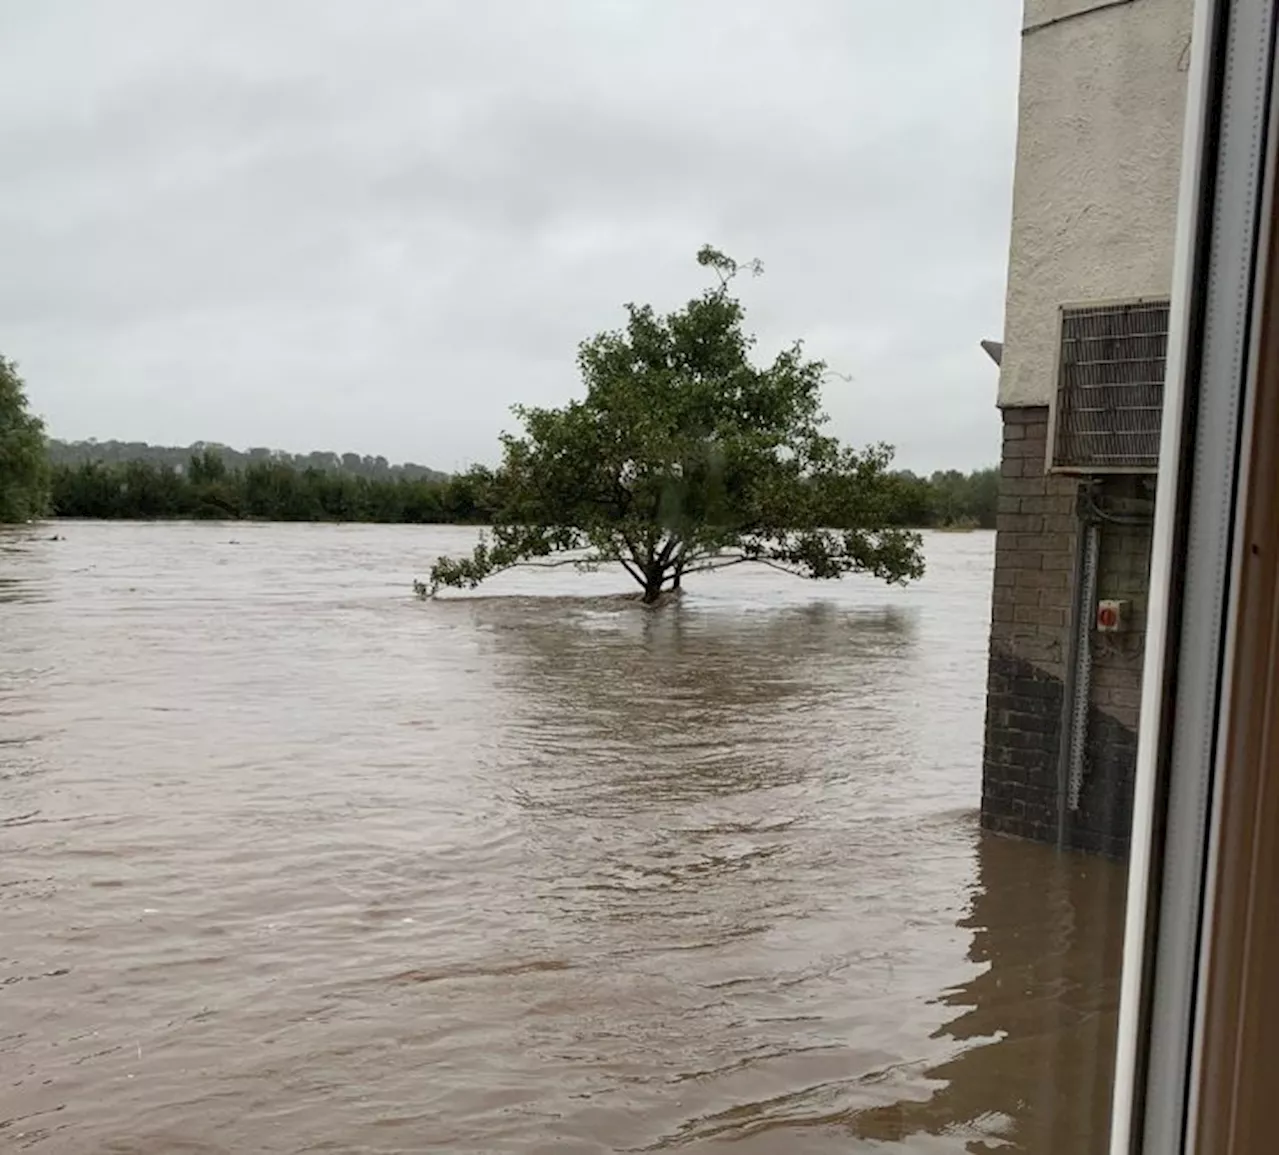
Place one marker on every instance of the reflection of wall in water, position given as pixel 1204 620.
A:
pixel 1035 1032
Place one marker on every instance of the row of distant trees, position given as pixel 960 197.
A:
pixel 273 490
pixel 116 479
pixel 948 499
pixel 177 457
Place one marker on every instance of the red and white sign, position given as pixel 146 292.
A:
pixel 1111 616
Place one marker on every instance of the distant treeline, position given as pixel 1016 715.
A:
pixel 949 499
pixel 273 490
pixel 207 485
pixel 120 452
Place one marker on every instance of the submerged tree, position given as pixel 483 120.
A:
pixel 24 467
pixel 684 457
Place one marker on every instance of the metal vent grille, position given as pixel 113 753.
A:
pixel 1111 387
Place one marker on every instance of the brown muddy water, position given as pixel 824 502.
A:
pixel 290 861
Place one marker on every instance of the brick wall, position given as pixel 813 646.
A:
pixel 1036 539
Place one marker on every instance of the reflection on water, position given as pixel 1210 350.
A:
pixel 293 862
pixel 1037 1023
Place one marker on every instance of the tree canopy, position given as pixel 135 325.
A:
pixel 685 457
pixel 24 467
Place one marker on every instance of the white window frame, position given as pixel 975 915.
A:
pixel 1229 163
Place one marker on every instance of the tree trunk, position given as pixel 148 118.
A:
pixel 653 575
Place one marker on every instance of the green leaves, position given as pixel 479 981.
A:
pixel 24 466
pixel 685 456
pixel 267 490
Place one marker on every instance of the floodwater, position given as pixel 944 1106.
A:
pixel 291 861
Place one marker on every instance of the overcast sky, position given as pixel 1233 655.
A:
pixel 376 226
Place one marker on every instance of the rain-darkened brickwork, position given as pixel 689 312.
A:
pixel 1037 528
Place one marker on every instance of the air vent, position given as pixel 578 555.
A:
pixel 1106 416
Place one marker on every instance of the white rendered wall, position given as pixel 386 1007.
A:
pixel 1100 110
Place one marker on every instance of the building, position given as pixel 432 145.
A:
pixel 1081 362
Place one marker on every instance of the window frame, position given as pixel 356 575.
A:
pixel 1211 386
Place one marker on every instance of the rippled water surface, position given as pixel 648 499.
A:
pixel 290 861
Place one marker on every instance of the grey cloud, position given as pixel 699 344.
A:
pixel 377 226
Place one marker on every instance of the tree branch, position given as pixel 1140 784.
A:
pixel 708 566
pixel 545 564
pixel 556 564
pixel 776 565
pixel 714 564
pixel 631 569
pixel 635 556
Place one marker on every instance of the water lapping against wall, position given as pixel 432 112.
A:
pixel 290 861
